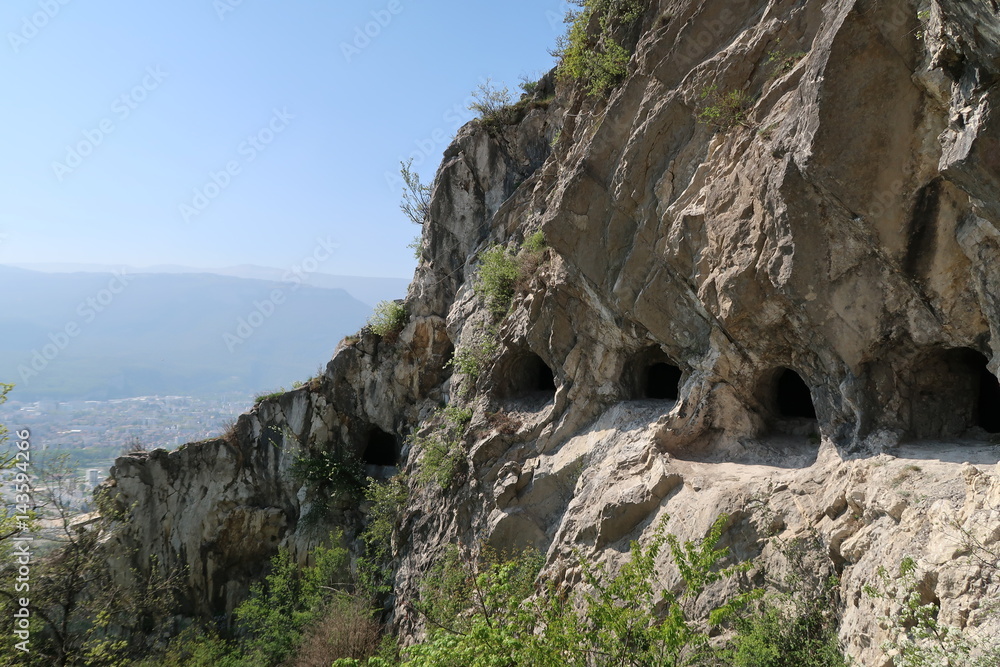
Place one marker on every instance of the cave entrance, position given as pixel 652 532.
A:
pixel 662 381
pixel 792 398
pixel 989 398
pixel 953 391
pixel 534 375
pixel 651 374
pixel 529 376
pixel 381 448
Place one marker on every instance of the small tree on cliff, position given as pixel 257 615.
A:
pixel 416 196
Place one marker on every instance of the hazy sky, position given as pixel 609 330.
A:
pixel 220 132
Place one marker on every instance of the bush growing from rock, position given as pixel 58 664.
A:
pixel 388 319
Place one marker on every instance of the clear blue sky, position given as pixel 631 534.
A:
pixel 155 97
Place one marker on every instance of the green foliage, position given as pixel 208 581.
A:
pixel 271 396
pixel 780 634
pixel 555 139
pixel 724 109
pixel 387 502
pixel 528 84
pixel 472 358
pixel 598 62
pixel 917 637
pixel 780 61
pixel 296 615
pixel 195 647
pixel 481 611
pixel 485 615
pixel 376 661
pixel 388 319
pixel 493 104
pixel 924 17
pixel 416 245
pixel 273 618
pixel 503 273
pixel 79 615
pixel 442 449
pixel 338 474
pixel 534 242
pixel 498 274
pixel 416 196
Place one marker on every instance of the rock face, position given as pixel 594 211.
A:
pixel 790 315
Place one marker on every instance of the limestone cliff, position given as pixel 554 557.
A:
pixel 788 313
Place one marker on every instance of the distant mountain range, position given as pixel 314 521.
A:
pixel 363 288
pixel 94 335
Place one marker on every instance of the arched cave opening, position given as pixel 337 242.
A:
pixel 792 398
pixel 662 381
pixel 651 374
pixel 381 448
pixel 530 375
pixel 953 391
pixel 988 403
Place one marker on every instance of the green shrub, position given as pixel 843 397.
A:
pixel 498 274
pixel 598 62
pixel 534 242
pixel 458 583
pixel 528 84
pixel 725 110
pixel 471 359
pixel 778 634
pixel 442 450
pixel 387 500
pixel 388 319
pixel 503 273
pixel 280 608
pixel 338 475
pixel 195 647
pixel 493 105
pixel 483 612
pixel 780 61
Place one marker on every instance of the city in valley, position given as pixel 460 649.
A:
pixel 90 435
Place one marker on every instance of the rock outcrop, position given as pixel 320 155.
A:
pixel 789 314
